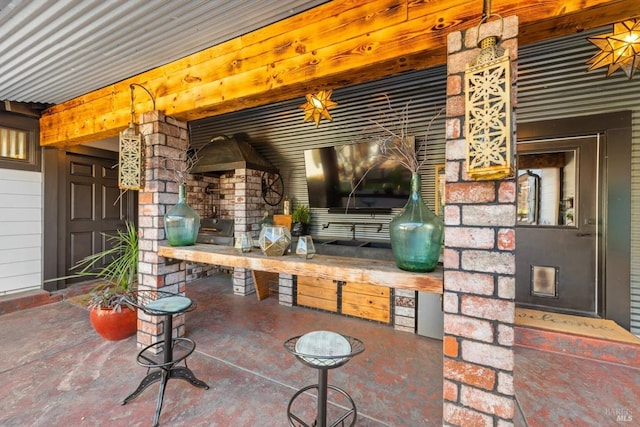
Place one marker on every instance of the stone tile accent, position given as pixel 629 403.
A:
pixel 285 289
pixel 404 314
pixel 479 264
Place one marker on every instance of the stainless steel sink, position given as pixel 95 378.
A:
pixel 351 243
pixel 378 245
pixel 355 248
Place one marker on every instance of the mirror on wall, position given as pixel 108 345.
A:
pixel 547 188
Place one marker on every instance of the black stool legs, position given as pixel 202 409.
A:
pixel 324 350
pixel 166 369
pixel 321 415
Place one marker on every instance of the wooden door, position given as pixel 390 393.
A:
pixel 88 206
pixel 559 233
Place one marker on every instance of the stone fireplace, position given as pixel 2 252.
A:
pixel 235 195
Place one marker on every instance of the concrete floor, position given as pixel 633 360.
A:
pixel 57 372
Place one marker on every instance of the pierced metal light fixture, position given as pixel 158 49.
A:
pixel 619 49
pixel 488 110
pixel 318 106
pixel 130 167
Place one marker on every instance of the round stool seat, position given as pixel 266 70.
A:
pixel 323 348
pixel 169 305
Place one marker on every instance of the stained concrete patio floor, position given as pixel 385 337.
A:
pixel 57 372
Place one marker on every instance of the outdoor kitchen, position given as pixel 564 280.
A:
pixel 382 122
pixel 227 189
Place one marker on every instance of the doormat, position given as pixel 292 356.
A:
pixel 575 325
pixel 80 300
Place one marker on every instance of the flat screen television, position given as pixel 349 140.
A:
pixel 333 174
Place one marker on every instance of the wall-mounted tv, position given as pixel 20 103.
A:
pixel 333 173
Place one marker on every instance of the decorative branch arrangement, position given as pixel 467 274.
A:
pixel 181 167
pixel 390 133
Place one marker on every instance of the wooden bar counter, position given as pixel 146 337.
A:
pixel 371 271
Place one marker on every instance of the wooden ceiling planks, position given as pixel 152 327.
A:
pixel 336 44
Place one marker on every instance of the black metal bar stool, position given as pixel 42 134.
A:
pixel 161 366
pixel 323 350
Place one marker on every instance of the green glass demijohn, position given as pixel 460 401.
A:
pixel 181 222
pixel 416 233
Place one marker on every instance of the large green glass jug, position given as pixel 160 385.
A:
pixel 416 233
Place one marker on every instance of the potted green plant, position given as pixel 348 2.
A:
pixel 111 313
pixel 300 220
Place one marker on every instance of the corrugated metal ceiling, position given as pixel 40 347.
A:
pixel 55 50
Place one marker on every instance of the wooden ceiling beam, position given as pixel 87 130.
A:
pixel 337 44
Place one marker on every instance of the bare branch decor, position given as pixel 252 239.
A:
pixel 181 167
pixel 390 132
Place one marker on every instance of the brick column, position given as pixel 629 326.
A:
pixel 246 207
pixel 479 263
pixel 164 138
pixel 242 279
pixel 247 212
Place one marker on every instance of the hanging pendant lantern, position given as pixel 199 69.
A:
pixel 130 158
pixel 488 111
pixel 318 106
pixel 619 49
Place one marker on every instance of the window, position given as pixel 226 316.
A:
pixel 19 143
pixel 13 143
pixel 547 185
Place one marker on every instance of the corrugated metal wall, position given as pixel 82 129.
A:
pixel 552 83
pixel 75 47
pixel 279 134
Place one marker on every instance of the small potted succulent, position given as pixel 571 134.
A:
pixel 300 220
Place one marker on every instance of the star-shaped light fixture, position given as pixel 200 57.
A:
pixel 318 106
pixel 619 49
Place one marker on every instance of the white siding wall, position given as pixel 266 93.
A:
pixel 20 231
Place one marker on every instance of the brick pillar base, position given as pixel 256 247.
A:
pixel 243 282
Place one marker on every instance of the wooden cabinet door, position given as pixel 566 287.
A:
pixel 317 293
pixel 366 301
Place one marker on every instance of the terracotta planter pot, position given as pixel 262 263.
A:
pixel 112 325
